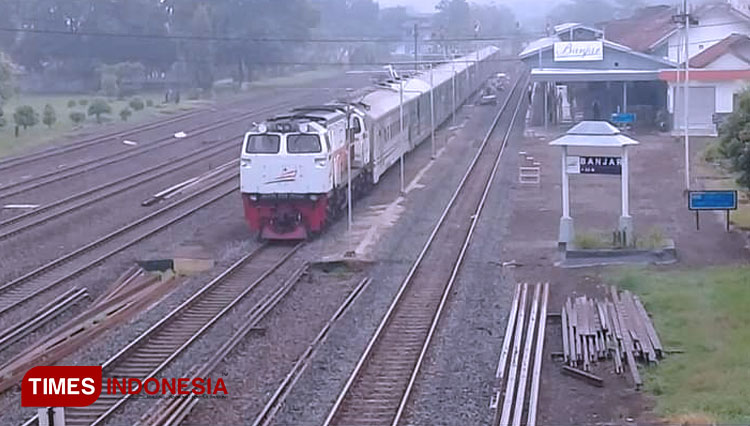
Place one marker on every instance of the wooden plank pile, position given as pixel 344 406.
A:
pixel 619 329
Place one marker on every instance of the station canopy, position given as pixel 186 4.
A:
pixel 599 134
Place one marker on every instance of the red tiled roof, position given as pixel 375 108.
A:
pixel 718 50
pixel 644 28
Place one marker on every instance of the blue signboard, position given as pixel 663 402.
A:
pixel 623 118
pixel 712 200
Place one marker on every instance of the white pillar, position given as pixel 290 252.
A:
pixel 546 107
pixel 432 114
pixel 624 97
pixel 626 221
pixel 566 235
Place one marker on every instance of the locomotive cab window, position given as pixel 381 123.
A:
pixel 356 126
pixel 303 144
pixel 263 144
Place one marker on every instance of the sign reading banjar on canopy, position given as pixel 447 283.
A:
pixel 571 51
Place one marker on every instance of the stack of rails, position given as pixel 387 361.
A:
pixel 524 342
pixel 618 328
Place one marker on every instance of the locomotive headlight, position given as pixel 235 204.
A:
pixel 320 162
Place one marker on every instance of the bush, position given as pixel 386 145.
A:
pixel 194 94
pixel 72 103
pixel 26 117
pixel 99 107
pixel 149 103
pixel 77 117
pixel 136 104
pixel 125 114
pixel 2 118
pixel 83 102
pixel 49 118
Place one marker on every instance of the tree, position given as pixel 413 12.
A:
pixel 109 85
pixel 7 82
pixel 99 107
pixel 735 139
pixel 454 18
pixel 72 103
pixel 25 117
pixel 582 11
pixel 49 118
pixel 77 117
pixel 125 114
pixel 2 118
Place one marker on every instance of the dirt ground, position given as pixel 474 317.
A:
pixel 657 201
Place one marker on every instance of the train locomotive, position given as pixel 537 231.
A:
pixel 294 168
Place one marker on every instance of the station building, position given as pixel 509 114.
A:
pixel 638 69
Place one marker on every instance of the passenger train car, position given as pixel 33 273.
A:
pixel 293 167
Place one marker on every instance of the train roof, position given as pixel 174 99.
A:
pixel 385 96
pixel 322 114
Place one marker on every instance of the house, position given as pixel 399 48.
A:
pixel 717 75
pixel 715 49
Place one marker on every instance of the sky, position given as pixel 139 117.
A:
pixel 429 5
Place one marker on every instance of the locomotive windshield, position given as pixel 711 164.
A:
pixel 263 144
pixel 303 144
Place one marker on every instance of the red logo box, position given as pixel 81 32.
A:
pixel 61 386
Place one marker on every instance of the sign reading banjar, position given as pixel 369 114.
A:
pixel 573 51
pixel 593 165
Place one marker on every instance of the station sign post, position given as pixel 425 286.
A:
pixel 712 200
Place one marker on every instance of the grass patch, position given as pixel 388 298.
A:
pixel 591 240
pixel 704 313
pixel 295 80
pixel 41 134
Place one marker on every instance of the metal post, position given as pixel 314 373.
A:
pixel 401 134
pixel 348 172
pixel 453 83
pixel 416 60
pixel 432 114
pixel 546 107
pixel 624 97
pixel 687 95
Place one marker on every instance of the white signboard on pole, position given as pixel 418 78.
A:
pixel 572 51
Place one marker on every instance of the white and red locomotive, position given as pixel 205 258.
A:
pixel 293 170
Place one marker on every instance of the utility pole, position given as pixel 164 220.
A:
pixel 349 172
pixel 686 19
pixel 416 52
pixel 432 114
pixel 401 130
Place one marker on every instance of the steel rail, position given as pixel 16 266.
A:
pixel 173 414
pixel 129 182
pixel 21 186
pixel 277 399
pixel 41 317
pixel 17 160
pixel 459 262
pixel 536 374
pixel 207 305
pixel 22 295
pixel 94 140
pixel 418 262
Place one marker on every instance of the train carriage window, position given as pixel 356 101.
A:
pixel 303 144
pixel 356 125
pixel 263 144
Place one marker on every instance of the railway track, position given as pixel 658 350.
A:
pixel 45 213
pixel 18 160
pixel 24 185
pixel 378 390
pixel 157 347
pixel 64 268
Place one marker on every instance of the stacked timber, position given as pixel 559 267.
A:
pixel 616 328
